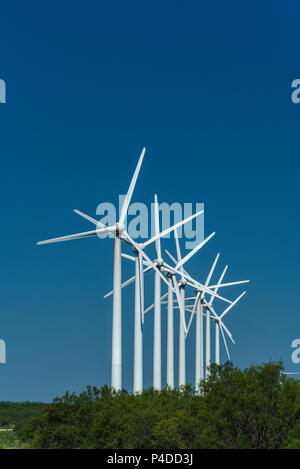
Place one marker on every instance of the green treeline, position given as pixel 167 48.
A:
pixel 255 408
pixel 14 413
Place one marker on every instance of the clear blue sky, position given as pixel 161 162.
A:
pixel 206 88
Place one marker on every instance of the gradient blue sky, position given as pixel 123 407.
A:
pixel 206 88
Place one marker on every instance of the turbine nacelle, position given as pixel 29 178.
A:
pixel 120 227
pixel 159 262
pixel 182 283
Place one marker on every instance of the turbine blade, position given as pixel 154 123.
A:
pixel 191 282
pixel 217 286
pixel 171 257
pixel 141 278
pixel 217 318
pixel 86 234
pixel 229 284
pixel 131 258
pixel 178 251
pixel 224 340
pixel 172 228
pixel 189 310
pixel 141 251
pixel 182 313
pixel 232 305
pixel 131 188
pixel 152 306
pixel 196 249
pixel 127 256
pixel 227 332
pixel 175 262
pixel 194 284
pixel 212 269
pixel 128 282
pixel 193 312
pixel 156 220
pixel 92 220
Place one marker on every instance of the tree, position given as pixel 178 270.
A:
pixel 254 408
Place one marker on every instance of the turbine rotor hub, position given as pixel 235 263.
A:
pixel 120 227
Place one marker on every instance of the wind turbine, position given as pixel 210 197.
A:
pixel 158 266
pixel 207 354
pixel 199 359
pixel 119 233
pixel 217 338
pixel 198 306
pixel 157 308
pixel 172 286
pixel 220 325
pixel 182 326
pixel 182 284
pixel 172 271
pixel 198 310
pixel 199 316
pixel 159 262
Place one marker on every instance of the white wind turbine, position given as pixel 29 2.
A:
pixel 207 353
pixel 198 310
pixel 220 326
pixel 172 286
pixel 138 278
pixel 119 232
pixel 198 306
pixel 157 309
pixel 209 305
pixel 182 284
pixel 171 272
pixel 217 338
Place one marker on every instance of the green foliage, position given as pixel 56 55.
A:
pixel 13 413
pixel 255 408
pixel 251 409
pixel 10 440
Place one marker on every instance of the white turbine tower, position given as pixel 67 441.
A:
pixel 207 353
pixel 157 308
pixel 217 337
pixel 199 359
pixel 182 324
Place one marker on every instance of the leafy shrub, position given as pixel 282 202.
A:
pixel 255 408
